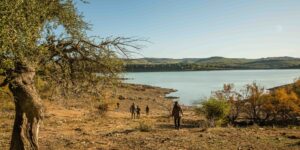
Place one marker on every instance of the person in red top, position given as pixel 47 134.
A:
pixel 177 113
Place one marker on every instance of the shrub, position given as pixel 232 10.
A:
pixel 145 126
pixel 7 105
pixel 103 108
pixel 281 105
pixel 254 98
pixel 234 99
pixel 214 110
pixel 284 104
pixel 6 100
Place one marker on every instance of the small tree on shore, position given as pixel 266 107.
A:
pixel 254 99
pixel 233 98
pixel 214 110
pixel 30 47
pixel 284 105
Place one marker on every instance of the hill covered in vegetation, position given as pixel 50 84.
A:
pixel 212 63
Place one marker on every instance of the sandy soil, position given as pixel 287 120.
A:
pixel 76 124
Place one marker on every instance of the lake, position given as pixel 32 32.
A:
pixel 196 85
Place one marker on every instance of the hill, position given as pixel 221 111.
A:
pixel 212 63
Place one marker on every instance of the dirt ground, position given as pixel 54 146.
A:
pixel 77 124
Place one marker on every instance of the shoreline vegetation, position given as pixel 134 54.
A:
pixel 209 64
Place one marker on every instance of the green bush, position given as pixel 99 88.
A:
pixel 214 110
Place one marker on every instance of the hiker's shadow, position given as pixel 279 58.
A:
pixel 171 126
pixel 185 123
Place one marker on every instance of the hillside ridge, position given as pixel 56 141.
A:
pixel 211 63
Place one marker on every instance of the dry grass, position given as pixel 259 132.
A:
pixel 75 125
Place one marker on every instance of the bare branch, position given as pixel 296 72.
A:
pixel 73 63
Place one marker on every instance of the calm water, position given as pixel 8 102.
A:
pixel 195 85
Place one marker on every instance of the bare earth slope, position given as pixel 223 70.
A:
pixel 77 125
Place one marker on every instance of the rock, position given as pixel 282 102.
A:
pixel 60 122
pixel 278 138
pixel 293 137
pixel 164 140
pixel 283 133
pixel 203 130
pixel 78 129
pixel 121 97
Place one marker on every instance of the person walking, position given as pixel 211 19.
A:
pixel 177 113
pixel 132 111
pixel 147 110
pixel 118 106
pixel 138 112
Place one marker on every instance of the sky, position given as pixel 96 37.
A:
pixel 200 28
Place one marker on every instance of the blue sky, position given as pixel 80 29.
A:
pixel 201 28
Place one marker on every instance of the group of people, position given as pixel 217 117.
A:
pixel 177 113
pixel 135 111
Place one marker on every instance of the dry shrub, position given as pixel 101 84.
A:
pixel 253 104
pixel 7 105
pixel 145 125
pixel 103 108
pixel 6 100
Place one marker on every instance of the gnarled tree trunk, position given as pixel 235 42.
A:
pixel 28 111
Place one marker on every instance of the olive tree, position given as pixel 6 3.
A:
pixel 30 47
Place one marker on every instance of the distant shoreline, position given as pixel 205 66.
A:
pixel 208 64
pixel 208 70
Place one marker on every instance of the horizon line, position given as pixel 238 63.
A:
pixel 214 57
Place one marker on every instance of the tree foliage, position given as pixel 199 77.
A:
pixel 47 38
pixel 283 104
pixel 215 110
pixel 233 98
pixel 28 37
pixel 255 104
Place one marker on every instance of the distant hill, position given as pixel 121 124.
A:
pixel 212 63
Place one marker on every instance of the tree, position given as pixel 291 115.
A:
pixel 234 99
pixel 30 47
pixel 285 104
pixel 253 96
pixel 214 110
pixel 282 104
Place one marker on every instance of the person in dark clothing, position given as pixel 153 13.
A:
pixel 118 106
pixel 132 110
pixel 147 110
pixel 177 113
pixel 138 111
